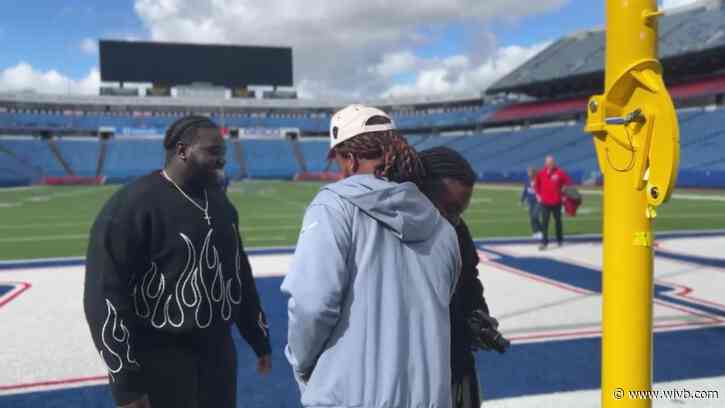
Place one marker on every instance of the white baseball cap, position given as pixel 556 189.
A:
pixel 353 120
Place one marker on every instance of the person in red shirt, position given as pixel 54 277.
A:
pixel 548 185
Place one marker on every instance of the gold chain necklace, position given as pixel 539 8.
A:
pixel 204 209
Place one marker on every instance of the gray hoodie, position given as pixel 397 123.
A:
pixel 369 291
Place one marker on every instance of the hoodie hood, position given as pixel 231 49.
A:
pixel 400 207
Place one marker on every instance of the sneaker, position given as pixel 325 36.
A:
pixel 542 247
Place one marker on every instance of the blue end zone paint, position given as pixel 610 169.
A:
pixel 527 369
pixel 41 263
pixel 4 289
pixel 586 278
pixel 534 368
pixel 96 396
pixel 693 259
pixel 571 365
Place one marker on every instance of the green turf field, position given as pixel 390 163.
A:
pixel 43 222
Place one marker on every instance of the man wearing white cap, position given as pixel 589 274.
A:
pixel 372 277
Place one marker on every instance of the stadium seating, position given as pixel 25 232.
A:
pixel 681 33
pixel 33 154
pixel 549 109
pixel 269 159
pixel 15 172
pixel 505 155
pixel 443 118
pixel 696 88
pixel 81 154
pixel 129 158
pixel 306 122
pixel 154 124
pixel 693 31
pixel 315 153
pixel 538 109
pixel 500 155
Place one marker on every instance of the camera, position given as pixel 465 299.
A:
pixel 484 330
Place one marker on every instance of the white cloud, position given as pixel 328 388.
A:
pixel 89 46
pixel 668 4
pixel 459 74
pixel 345 48
pixel 395 63
pixel 24 77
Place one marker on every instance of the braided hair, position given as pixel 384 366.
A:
pixel 400 160
pixel 184 130
pixel 444 163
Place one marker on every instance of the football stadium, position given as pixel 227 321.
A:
pixel 63 156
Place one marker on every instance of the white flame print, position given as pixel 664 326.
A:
pixel 116 339
pixel 190 292
pixel 263 325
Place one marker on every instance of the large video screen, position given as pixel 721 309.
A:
pixel 179 64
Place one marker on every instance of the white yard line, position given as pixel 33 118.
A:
pixel 45 225
pixel 47 197
pixel 592 216
pixel 524 218
pixel 88 224
pixel 279 228
pixel 70 237
pixel 270 239
pixel 70 193
pixel 22 188
pixel 66 237
pixel 699 197
pixel 677 196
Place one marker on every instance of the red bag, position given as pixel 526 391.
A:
pixel 571 200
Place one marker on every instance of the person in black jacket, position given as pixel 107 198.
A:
pixel 449 185
pixel 166 275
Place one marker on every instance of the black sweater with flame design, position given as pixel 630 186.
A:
pixel 157 269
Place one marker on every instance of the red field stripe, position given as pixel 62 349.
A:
pixel 52 382
pixel 15 292
pixel 684 294
pixel 576 334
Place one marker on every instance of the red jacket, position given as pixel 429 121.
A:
pixel 548 185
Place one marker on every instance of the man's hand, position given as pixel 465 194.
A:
pixel 143 402
pixel 264 364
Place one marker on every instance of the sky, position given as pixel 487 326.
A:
pixel 341 48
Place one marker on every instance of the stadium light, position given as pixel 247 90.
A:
pixel 636 136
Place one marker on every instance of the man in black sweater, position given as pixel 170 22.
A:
pixel 449 185
pixel 166 275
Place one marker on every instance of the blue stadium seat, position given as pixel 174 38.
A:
pixel 495 155
pixel 81 154
pixel 129 158
pixel 34 153
pixel 315 153
pixel 306 122
pixel 270 159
